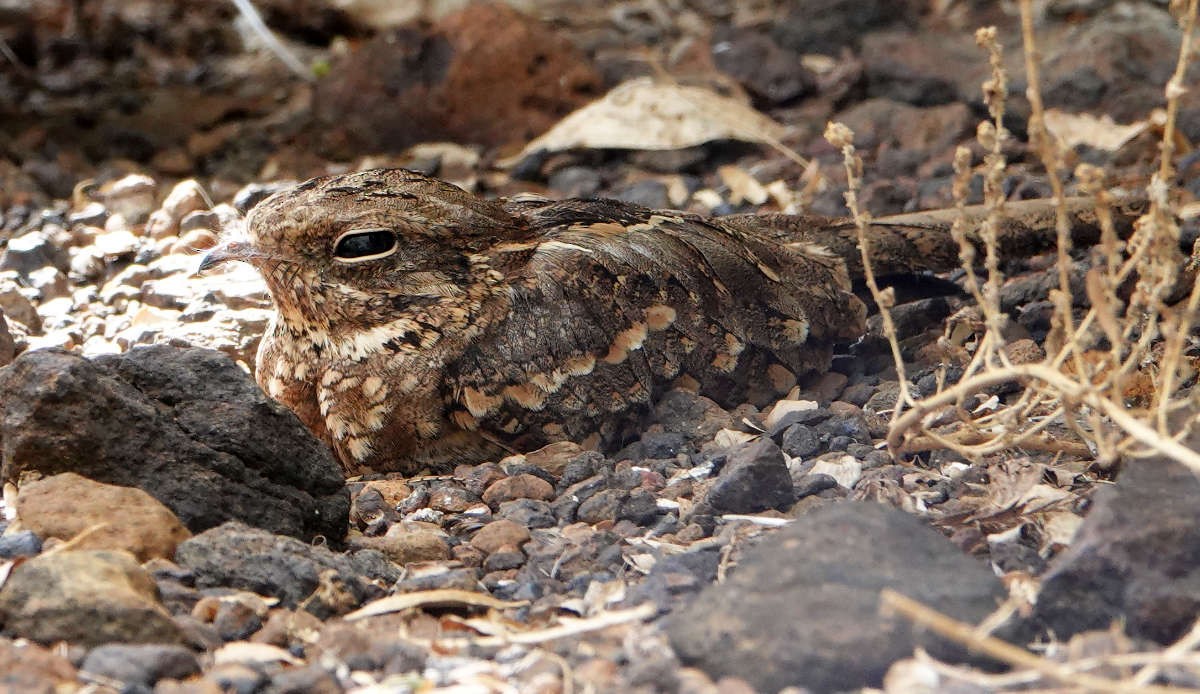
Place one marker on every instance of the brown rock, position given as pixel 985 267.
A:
pixel 487 75
pixel 392 491
pixel 469 556
pixel 27 667
pixel 194 241
pixel 86 597
pixel 554 458
pixel 405 546
pixel 187 196
pixel 523 486
pixel 452 499
pixel 477 478
pixel 1024 351
pixel 119 518
pixel 16 306
pixel 500 533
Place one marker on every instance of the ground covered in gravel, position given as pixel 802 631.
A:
pixel 168 528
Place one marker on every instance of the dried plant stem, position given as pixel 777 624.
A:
pixel 992 135
pixel 1048 151
pixel 1071 391
pixel 1159 209
pixel 842 137
pixel 969 636
pixel 968 443
pixel 1175 89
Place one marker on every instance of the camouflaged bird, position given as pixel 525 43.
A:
pixel 419 325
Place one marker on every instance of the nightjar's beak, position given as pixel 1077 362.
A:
pixel 230 250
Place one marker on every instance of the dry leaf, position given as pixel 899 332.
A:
pixel 649 115
pixel 727 438
pixel 786 407
pixel 1073 129
pixel 846 470
pixel 247 653
pixel 1059 527
pixel 742 186
pixel 448 597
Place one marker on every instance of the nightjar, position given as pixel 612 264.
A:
pixel 419 326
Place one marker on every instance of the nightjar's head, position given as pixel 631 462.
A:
pixel 354 248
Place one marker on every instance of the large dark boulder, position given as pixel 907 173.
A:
pixel 802 607
pixel 1135 559
pixel 188 426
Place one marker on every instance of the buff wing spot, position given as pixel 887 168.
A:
pixel 625 342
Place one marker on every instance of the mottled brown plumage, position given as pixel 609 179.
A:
pixel 419 325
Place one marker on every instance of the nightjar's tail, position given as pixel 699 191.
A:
pixel 921 241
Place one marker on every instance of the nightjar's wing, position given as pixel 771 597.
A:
pixel 620 302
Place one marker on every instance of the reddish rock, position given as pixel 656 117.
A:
pixel 477 478
pixel 554 457
pixel 27 667
pixel 66 505
pixel 452 499
pixel 523 486
pixel 500 533
pixel 487 75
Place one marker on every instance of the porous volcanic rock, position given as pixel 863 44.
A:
pixel 802 608
pixel 184 424
pixel 1135 558
pixel 86 597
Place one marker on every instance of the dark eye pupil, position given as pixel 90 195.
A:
pixel 364 244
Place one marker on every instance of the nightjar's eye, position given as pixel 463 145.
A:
pixel 367 244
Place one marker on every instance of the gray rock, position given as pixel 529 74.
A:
pixel 1116 60
pixel 531 513
pixel 85 597
pixel 365 648
pixel 694 416
pixel 649 193
pixel 33 251
pixel 141 664
pixel 300 680
pixel 828 26
pixel 802 609
pixel 1136 558
pixel 755 478
pixel 22 543
pixel 814 484
pixel 186 425
pixel 250 195
pixel 575 182
pixel 800 441
pixel 771 73
pixel 237 556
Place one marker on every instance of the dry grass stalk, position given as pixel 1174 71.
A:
pixel 1082 382
pixel 842 137
pixel 1014 656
